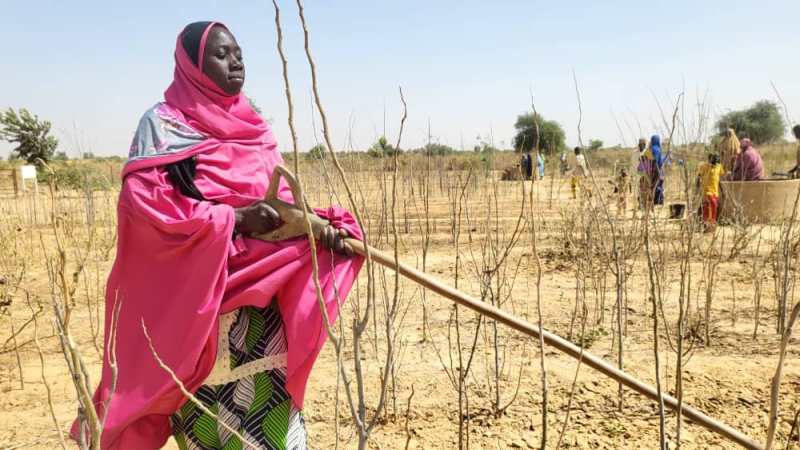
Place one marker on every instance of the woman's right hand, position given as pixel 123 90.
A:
pixel 257 218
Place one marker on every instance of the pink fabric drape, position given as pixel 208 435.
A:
pixel 178 267
pixel 748 165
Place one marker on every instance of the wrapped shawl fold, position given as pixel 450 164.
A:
pixel 178 267
pixel 748 165
pixel 729 149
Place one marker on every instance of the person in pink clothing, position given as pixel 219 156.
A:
pixel 748 165
pixel 236 318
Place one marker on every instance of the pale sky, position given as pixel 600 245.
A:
pixel 92 68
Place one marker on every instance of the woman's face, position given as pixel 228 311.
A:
pixel 222 60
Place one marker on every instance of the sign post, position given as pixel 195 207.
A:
pixel 28 172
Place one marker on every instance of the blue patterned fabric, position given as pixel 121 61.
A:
pixel 162 131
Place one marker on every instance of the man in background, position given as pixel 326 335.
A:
pixel 578 173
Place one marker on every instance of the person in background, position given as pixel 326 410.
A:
pixel 728 150
pixel 748 165
pixel 795 172
pixel 708 177
pixel 564 166
pixel 580 162
pixel 540 164
pixel 622 186
pixel 578 173
pixel 656 175
pixel 526 165
pixel 645 190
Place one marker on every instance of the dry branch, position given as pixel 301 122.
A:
pixel 188 394
pixel 563 345
pixel 775 386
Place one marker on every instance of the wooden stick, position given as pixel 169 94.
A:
pixel 190 397
pixel 775 387
pixel 555 341
pixel 293 226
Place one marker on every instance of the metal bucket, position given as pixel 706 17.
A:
pixel 676 210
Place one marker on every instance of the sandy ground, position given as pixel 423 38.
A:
pixel 728 379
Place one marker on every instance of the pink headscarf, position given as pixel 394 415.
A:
pixel 748 165
pixel 177 267
pixel 207 109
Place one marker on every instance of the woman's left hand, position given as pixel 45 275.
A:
pixel 334 239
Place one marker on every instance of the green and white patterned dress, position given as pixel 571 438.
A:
pixel 249 394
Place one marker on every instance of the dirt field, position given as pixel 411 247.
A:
pixel 728 377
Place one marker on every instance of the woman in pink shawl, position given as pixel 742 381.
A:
pixel 236 318
pixel 748 165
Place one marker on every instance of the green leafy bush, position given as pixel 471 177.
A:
pixel 762 122
pixel 31 135
pixel 550 132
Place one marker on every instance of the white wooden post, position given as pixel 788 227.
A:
pixel 28 172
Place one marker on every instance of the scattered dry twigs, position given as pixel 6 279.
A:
pixel 45 380
pixel 450 213
pixel 775 386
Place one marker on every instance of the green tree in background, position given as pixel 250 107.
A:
pixel 318 151
pixel 595 144
pixel 762 122
pixel 381 148
pixel 31 135
pixel 550 132
pixel 434 149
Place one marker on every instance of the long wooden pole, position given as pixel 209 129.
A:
pixel 295 225
pixel 556 341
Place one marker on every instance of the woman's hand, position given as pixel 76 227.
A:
pixel 257 218
pixel 334 239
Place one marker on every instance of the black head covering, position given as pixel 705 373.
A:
pixel 191 37
pixel 182 172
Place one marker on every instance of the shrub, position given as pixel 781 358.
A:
pixel 550 137
pixel 318 151
pixel 77 175
pixel 31 135
pixel 381 148
pixel 762 122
